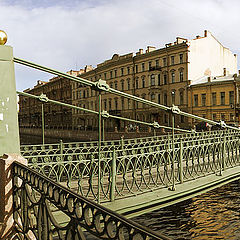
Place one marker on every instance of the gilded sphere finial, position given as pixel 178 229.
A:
pixel 3 37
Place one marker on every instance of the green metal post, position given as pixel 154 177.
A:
pixel 103 130
pixel 154 132
pixel 99 145
pixel 43 133
pixel 181 161
pixel 122 143
pixel 113 185
pixel 9 131
pixel 173 157
pixel 224 153
pixel 61 149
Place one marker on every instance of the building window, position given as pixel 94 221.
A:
pixel 214 117
pixel 214 99
pixel 159 79
pixel 111 84
pixel 165 78
pixel 122 71
pixel 105 104
pixel 173 77
pixel 165 99
pixel 136 67
pixel 115 84
pixel 122 85
pixel 116 104
pixel 181 98
pixel 105 76
pixel 231 117
pixel 149 65
pixel 152 79
pixel 181 76
pixel 203 99
pixel 152 97
pixel 143 82
pixel 143 67
pixel 181 58
pixel 122 103
pixel 172 60
pixel 137 83
pixel 159 98
pixel 164 62
pixel 157 63
pixel 173 97
pixel 231 97
pixel 222 98
pixel 128 70
pixel 128 84
pixel 195 100
pixel 115 71
pixel 110 104
pixel 136 103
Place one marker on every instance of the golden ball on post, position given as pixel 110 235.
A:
pixel 3 37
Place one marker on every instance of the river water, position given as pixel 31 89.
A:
pixel 213 215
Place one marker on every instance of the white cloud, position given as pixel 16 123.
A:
pixel 88 32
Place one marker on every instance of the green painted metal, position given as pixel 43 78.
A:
pixel 43 125
pixel 113 176
pixel 99 146
pixel 141 167
pixel 47 210
pixel 9 134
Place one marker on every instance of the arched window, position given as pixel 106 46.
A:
pixel 152 80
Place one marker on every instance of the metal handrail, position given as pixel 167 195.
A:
pixel 71 204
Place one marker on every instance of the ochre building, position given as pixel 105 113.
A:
pixel 216 98
pixel 56 116
pixel 166 75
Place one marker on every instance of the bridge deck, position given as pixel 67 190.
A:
pixel 151 201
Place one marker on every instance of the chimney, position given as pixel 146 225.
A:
pixel 197 37
pixel 224 72
pixel 209 79
pixel 205 33
pixel 141 51
pixel 150 49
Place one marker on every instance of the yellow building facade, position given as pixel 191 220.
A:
pixel 160 75
pixel 216 98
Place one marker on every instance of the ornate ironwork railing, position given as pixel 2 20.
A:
pixel 136 170
pixel 46 210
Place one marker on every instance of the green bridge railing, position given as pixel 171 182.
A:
pixel 36 197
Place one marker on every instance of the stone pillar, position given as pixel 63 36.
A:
pixel 6 194
pixel 9 132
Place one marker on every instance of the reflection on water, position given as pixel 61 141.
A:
pixel 213 215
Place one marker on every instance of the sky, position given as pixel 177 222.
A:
pixel 69 34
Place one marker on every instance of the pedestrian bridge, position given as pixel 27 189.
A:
pixel 76 190
pixel 141 175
